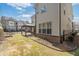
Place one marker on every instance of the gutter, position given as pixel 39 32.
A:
pixel 35 17
pixel 60 23
pixel 35 20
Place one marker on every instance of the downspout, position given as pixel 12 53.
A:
pixel 60 23
pixel 36 5
pixel 72 20
pixel 35 19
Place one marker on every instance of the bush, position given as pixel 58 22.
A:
pixel 1 32
pixel 76 52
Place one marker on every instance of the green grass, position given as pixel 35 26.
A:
pixel 75 52
pixel 19 45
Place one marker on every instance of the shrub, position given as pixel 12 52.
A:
pixel 76 52
pixel 1 32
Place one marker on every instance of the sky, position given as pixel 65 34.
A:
pixel 19 11
pixel 75 7
pixel 24 11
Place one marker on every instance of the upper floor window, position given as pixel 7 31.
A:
pixel 64 12
pixel 43 9
pixel 36 11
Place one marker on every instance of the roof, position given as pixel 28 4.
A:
pixel 30 25
pixel 4 18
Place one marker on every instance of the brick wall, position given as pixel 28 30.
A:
pixel 49 38
pixel 77 40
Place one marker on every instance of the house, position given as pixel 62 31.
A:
pixel 76 25
pixel 52 19
pixel 20 23
pixel 28 28
pixel 8 23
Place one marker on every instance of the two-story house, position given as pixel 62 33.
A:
pixel 51 19
pixel 8 23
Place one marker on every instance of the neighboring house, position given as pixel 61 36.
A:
pixel 28 28
pixel 8 23
pixel 76 25
pixel 52 19
pixel 20 24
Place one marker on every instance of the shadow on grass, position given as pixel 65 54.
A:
pixel 74 52
pixel 60 46
pixel 48 46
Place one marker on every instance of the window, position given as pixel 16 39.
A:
pixel 39 28
pixel 45 28
pixel 43 9
pixel 64 12
pixel 49 28
pixel 37 11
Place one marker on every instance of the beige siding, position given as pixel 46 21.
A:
pixel 51 15
pixel 66 24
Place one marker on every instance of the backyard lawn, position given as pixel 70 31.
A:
pixel 19 45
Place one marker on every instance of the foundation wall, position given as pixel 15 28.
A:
pixel 49 38
pixel 77 40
